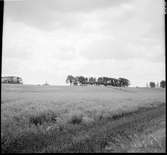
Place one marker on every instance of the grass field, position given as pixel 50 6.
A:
pixel 72 119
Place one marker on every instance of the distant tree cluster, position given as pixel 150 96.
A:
pixel 106 81
pixel 162 84
pixel 152 84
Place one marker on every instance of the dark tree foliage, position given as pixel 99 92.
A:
pixel 92 81
pixel 123 82
pixel 106 81
pixel 100 81
pixel 81 80
pixel 70 79
pixel 152 84
pixel 163 84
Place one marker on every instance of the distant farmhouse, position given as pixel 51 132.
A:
pixel 11 80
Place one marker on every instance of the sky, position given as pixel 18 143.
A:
pixel 46 40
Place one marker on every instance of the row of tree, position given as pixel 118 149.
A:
pixel 106 81
pixel 162 84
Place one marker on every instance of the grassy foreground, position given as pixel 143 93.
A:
pixel 81 119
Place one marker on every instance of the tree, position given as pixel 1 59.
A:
pixel 113 82
pixel 86 80
pixel 100 81
pixel 75 81
pixel 152 84
pixel 92 80
pixel 70 79
pixel 117 82
pixel 123 82
pixel 105 79
pixel 109 81
pixel 81 80
pixel 163 84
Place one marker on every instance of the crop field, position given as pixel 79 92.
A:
pixel 78 118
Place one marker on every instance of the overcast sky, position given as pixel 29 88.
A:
pixel 45 40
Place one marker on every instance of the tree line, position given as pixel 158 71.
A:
pixel 106 81
pixel 162 84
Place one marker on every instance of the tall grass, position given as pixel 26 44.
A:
pixel 33 117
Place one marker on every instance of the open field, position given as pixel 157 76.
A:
pixel 81 119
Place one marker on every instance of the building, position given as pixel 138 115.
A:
pixel 11 80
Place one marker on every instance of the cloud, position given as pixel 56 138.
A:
pixel 131 31
pixel 122 50
pixel 61 6
pixel 54 13
pixel 50 39
pixel 106 49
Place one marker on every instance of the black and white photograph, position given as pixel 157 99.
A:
pixel 83 76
